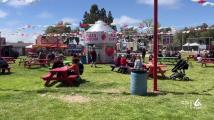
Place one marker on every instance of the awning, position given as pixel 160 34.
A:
pixel 50 46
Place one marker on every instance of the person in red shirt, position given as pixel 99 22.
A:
pixel 123 61
pixel 74 68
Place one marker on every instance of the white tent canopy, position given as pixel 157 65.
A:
pixel 100 26
pixel 187 44
pixel 30 46
pixel 194 44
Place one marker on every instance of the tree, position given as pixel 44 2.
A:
pixel 110 18
pixel 149 24
pixel 96 14
pixel 103 16
pixel 59 28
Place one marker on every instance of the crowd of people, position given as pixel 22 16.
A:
pixel 168 53
pixel 127 62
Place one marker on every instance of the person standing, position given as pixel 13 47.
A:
pixel 143 53
pixel 93 58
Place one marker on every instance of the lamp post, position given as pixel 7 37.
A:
pixel 184 32
pixel 155 43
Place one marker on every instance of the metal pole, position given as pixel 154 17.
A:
pixel 182 41
pixel 155 43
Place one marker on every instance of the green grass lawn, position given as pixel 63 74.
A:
pixel 105 96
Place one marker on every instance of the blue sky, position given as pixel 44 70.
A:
pixel 15 14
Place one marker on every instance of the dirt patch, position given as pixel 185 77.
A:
pixel 68 98
pixel 74 99
pixel 112 91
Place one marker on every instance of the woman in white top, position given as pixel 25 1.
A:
pixel 138 63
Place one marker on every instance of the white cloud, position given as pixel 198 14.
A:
pixel 19 3
pixel 126 20
pixel 74 22
pixel 3 14
pixel 45 15
pixel 160 2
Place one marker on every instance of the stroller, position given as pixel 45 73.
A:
pixel 179 70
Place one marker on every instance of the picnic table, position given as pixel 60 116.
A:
pixel 59 75
pixel 130 63
pixel 205 61
pixel 6 69
pixel 10 60
pixel 172 60
pixel 160 69
pixel 36 61
pixel 191 57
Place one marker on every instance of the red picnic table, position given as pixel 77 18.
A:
pixel 206 61
pixel 9 60
pixel 60 75
pixel 160 69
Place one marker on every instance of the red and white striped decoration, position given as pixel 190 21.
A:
pixel 204 2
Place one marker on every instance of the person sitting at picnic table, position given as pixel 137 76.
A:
pixel 58 63
pixel 150 58
pixel 42 55
pixel 123 61
pixel 160 53
pixel 123 65
pixel 116 62
pixel 199 58
pixel 74 68
pixel 138 63
pixel 51 56
pixel 80 65
pixel 3 64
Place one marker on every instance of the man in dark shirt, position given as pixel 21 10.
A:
pixel 3 64
pixel 143 53
pixel 93 57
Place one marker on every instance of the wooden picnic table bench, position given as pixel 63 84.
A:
pixel 10 60
pixel 32 62
pixel 206 61
pixel 172 60
pixel 160 69
pixel 191 57
pixel 6 69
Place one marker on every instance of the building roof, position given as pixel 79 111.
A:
pixel 19 44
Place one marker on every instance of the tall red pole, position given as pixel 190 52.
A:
pixel 155 45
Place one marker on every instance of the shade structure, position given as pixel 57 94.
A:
pixel 104 38
pixel 100 26
pixel 187 44
pixel 50 46
pixel 194 44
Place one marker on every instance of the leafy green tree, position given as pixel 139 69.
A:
pixel 96 14
pixel 59 28
pixel 110 18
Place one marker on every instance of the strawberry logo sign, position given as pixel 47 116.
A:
pixel 103 36
pixel 109 51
